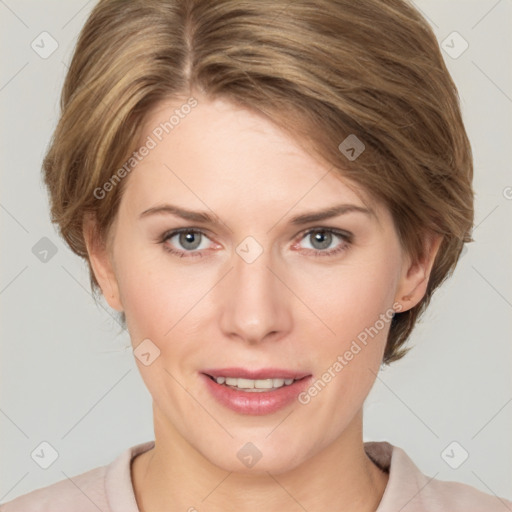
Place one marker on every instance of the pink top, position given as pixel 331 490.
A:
pixel 109 488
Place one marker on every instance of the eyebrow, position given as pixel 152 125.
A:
pixel 304 218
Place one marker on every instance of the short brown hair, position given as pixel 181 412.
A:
pixel 322 70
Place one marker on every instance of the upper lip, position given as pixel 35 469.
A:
pixel 263 373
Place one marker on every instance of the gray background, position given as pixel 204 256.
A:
pixel 67 376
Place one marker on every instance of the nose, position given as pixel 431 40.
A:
pixel 254 304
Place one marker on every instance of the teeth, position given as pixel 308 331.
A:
pixel 253 385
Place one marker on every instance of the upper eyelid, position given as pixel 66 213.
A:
pixel 336 231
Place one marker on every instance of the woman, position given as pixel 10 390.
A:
pixel 268 193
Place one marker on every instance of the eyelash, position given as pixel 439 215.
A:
pixel 345 237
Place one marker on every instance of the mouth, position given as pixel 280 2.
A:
pixel 254 381
pixel 253 385
pixel 255 392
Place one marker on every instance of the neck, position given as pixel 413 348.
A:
pixel 340 477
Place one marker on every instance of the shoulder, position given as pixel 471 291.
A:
pixel 106 488
pixel 80 493
pixel 458 497
pixel 409 490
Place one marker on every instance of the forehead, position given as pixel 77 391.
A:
pixel 223 155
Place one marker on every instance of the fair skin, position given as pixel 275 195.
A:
pixel 288 309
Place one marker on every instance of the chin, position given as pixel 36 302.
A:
pixel 254 455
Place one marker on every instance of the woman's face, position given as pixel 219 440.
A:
pixel 250 288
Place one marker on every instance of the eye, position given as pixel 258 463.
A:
pixel 193 241
pixel 189 239
pixel 323 238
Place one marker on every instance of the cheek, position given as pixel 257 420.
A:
pixel 355 303
pixel 157 294
pixel 144 291
pixel 351 297
pixel 348 360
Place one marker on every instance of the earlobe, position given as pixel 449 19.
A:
pixel 101 263
pixel 415 275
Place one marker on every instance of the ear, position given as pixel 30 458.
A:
pixel 415 275
pixel 102 263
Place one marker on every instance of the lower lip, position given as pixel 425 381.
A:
pixel 258 402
